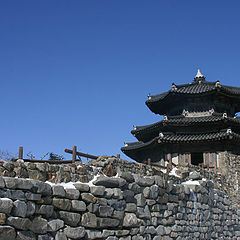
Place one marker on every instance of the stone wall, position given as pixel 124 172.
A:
pixel 136 202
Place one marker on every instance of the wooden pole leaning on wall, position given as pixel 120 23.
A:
pixel 20 153
pixel 74 154
pixel 215 168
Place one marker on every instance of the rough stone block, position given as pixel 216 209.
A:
pixel 58 191
pixel 2 183
pixel 143 181
pixel 109 182
pixel 31 207
pixel 63 204
pixel 19 223
pixel 75 233
pixel 72 193
pixel 39 225
pixel 33 196
pixel 71 219
pixel 46 210
pixel 130 220
pixel 89 220
pixel 81 187
pixel 78 206
pixel 97 190
pixel 6 205
pixel 19 209
pixel 26 235
pixel 7 233
pixel 55 225
pixel 60 236
pixel 42 188
pixel 141 200
pixel 107 222
pixel 94 234
pixel 2 218
pixel 88 197
pixel 105 211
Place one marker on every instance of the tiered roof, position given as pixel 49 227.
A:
pixel 203 127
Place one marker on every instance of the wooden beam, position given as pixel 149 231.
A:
pixel 74 154
pixel 81 154
pixel 48 161
pixel 20 153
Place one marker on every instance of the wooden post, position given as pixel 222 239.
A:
pixel 118 155
pixel 74 154
pixel 20 153
pixel 167 168
pixel 170 161
pixel 215 167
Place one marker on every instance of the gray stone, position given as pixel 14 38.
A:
pixel 58 191
pixel 7 233
pixel 33 196
pixel 94 234
pixel 63 204
pixel 123 232
pixel 105 211
pixel 19 209
pixel 159 181
pixel 89 220
pixel 46 210
pixel 6 205
pixel 42 188
pixel 26 235
pixel 11 182
pixel 93 208
pixel 71 219
pixel 75 233
pixel 97 190
pixel 2 183
pixel 195 175
pixel 141 200
pixel 117 205
pixel 128 195
pixel 60 236
pixel 130 220
pixel 19 223
pixel 109 182
pixel 131 207
pixel 118 214
pixel 160 230
pixel 81 187
pixel 106 233
pixel 72 193
pixel 108 193
pixel 107 222
pixel 126 175
pixel 117 193
pixel 39 225
pixel 88 197
pixel 45 237
pixel 143 181
pixel 78 206
pixel 2 218
pixel 31 207
pixel 15 194
pixel 55 225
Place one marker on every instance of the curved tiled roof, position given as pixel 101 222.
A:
pixel 184 121
pixel 183 138
pixel 195 88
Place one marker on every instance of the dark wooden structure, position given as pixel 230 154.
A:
pixel 199 123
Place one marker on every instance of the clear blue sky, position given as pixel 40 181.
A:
pixel 79 72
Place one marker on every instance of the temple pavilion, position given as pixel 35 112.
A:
pixel 199 123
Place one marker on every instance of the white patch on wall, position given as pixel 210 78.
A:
pixel 175 158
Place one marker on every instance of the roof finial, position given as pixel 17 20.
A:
pixel 199 74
